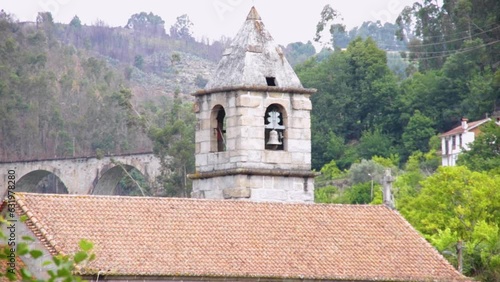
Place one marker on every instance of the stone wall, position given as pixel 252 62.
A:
pixel 258 188
pixel 245 141
pixel 246 170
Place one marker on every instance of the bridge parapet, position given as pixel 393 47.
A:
pixel 82 175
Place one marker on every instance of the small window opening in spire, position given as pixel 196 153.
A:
pixel 271 81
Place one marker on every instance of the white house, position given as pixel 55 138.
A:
pixel 458 139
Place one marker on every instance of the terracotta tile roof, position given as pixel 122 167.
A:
pixel 212 238
pixel 459 129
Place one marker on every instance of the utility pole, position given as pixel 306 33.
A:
pixel 371 191
pixel 460 256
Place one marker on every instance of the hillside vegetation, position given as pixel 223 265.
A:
pixel 75 90
pixel 367 119
pixel 56 100
pixel 385 93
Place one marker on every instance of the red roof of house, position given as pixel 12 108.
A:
pixel 172 237
pixel 459 129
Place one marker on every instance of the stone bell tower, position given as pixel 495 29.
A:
pixel 253 136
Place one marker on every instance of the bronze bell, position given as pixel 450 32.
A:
pixel 273 138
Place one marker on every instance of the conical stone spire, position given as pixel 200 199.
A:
pixel 253 135
pixel 253 15
pixel 253 59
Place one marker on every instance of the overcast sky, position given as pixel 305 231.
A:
pixel 287 20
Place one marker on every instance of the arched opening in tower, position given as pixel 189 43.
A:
pixel 274 127
pixel 218 123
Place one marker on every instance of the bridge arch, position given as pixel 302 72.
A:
pixel 80 175
pixel 107 184
pixel 41 181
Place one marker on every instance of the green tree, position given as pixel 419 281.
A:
pixel 326 195
pixel 144 22
pixel 330 147
pixel 45 20
pixel 299 52
pixel 133 184
pixel 484 153
pixel 329 172
pixel 181 29
pixel 75 22
pixel 382 34
pixel 418 133
pixel 360 193
pixel 390 162
pixel 328 16
pixel 174 145
pixel 466 203
pixel 440 30
pixel 139 62
pixel 366 171
pixel 356 93
pixel 200 81
pixel 374 143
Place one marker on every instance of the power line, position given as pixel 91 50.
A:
pixel 447 55
pixel 444 42
pixel 458 51
pixel 452 51
pixel 459 32
pixel 459 39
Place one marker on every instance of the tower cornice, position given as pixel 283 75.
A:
pixel 253 171
pixel 295 90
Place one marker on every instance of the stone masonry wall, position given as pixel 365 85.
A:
pixel 256 188
pixel 245 143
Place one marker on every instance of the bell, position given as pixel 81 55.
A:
pixel 273 138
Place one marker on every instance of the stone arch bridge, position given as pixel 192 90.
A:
pixel 81 175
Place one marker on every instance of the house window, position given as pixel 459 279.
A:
pixel 460 140
pixel 453 142
pixel 274 123
pixel 218 139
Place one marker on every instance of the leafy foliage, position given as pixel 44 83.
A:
pixel 356 94
pixel 60 267
pixel 374 144
pixel 182 28
pixel 144 22
pixel 174 145
pixel 459 205
pixel 417 133
pixel 328 16
pixel 49 108
pixel 484 153
pixel 434 32
pixel 299 52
